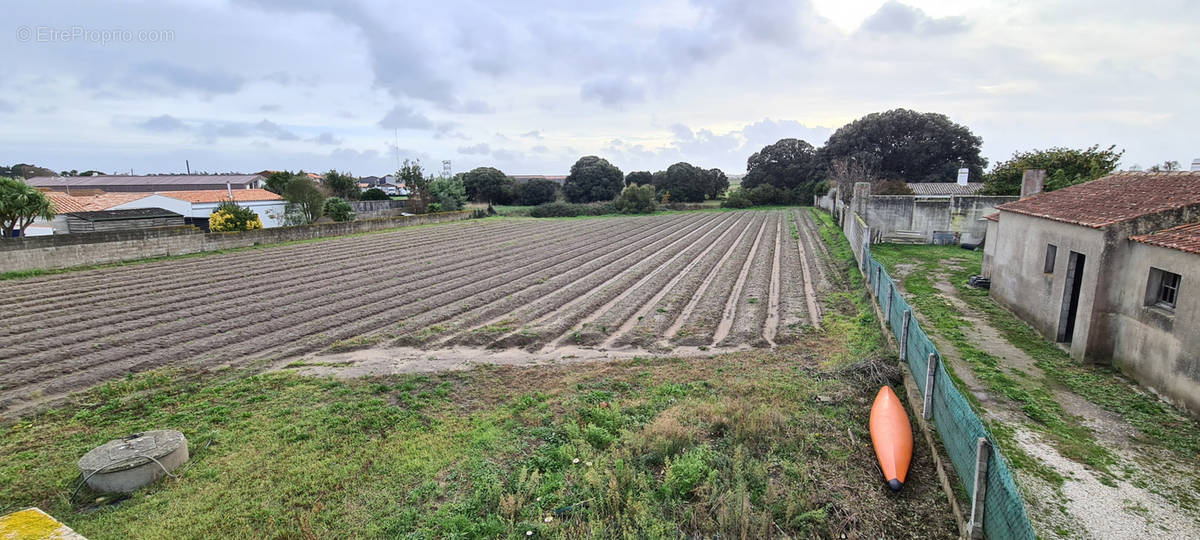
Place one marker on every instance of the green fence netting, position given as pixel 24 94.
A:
pixel 958 427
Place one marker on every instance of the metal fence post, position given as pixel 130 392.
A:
pixel 931 369
pixel 979 494
pixel 904 336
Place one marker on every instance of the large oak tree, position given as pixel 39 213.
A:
pixel 907 145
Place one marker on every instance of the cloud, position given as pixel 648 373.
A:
pixel 502 154
pixel 274 131
pixel 269 108
pixel 481 148
pixel 612 92
pixel 540 149
pixel 896 18
pixel 163 123
pixel 405 117
pixel 471 106
pixel 7 106
pixel 166 77
pixel 325 138
pixel 535 134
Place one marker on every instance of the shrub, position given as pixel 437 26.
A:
pixel 434 207
pixel 636 199
pixel 338 209
pixel 563 209
pixel 738 198
pixel 231 217
pixel 686 473
pixel 374 194
pixel 598 437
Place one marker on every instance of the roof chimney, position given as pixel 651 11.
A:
pixel 229 188
pixel 963 175
pixel 1032 182
pixel 1196 165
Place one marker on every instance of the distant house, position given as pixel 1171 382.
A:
pixel 149 183
pixel 197 206
pixel 121 220
pixel 1110 269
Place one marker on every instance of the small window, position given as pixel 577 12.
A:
pixel 1051 251
pixel 1162 289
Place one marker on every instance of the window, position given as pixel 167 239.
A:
pixel 1051 251
pixel 1162 290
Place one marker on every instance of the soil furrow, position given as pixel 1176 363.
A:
pixel 735 293
pixel 692 312
pixel 644 310
pixel 751 298
pixel 771 327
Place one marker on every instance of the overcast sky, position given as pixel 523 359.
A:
pixel 529 86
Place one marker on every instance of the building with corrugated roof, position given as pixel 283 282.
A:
pixel 1110 269
pixel 149 183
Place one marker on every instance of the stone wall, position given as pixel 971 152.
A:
pixel 67 250
pixel 377 209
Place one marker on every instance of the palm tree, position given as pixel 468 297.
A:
pixel 20 205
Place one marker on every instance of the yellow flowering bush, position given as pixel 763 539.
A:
pixel 231 217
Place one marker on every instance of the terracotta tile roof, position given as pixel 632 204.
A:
pixel 64 203
pixel 944 188
pixel 218 195
pixel 1184 238
pixel 992 217
pixel 1113 199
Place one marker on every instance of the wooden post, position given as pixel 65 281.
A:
pixel 887 312
pixel 904 337
pixel 979 494
pixel 931 369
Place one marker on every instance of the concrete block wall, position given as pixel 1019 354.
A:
pixel 68 250
pixel 377 209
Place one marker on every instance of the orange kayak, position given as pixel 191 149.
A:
pixel 891 434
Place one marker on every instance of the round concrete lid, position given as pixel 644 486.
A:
pixel 131 451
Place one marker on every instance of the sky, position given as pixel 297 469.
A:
pixel 529 86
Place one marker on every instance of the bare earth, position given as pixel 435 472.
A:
pixel 431 298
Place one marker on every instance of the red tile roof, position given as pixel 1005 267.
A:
pixel 1113 199
pixel 1184 238
pixel 218 195
pixel 64 203
pixel 992 217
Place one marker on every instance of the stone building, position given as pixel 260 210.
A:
pixel 1111 270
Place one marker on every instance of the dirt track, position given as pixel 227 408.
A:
pixel 708 279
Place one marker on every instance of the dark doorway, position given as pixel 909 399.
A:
pixel 1070 305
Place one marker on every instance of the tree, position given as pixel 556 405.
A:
pixel 537 191
pixel 716 183
pixel 20 205
pixel 25 171
pixel 640 178
pixel 374 194
pixel 342 185
pixel 414 180
pixel 635 199
pixel 277 182
pixel 337 209
pixel 448 193
pixel 1170 165
pixel 593 179
pixel 231 217
pixel 907 145
pixel 1064 167
pixel 890 187
pixel 304 200
pixel 787 164
pixel 488 184
pixel 684 181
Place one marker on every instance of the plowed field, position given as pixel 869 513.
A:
pixel 701 280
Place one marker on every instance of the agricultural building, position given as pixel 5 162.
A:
pixel 1111 270
pixel 121 220
pixel 148 183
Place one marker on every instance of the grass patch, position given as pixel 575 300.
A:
pixel 851 319
pixel 1159 424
